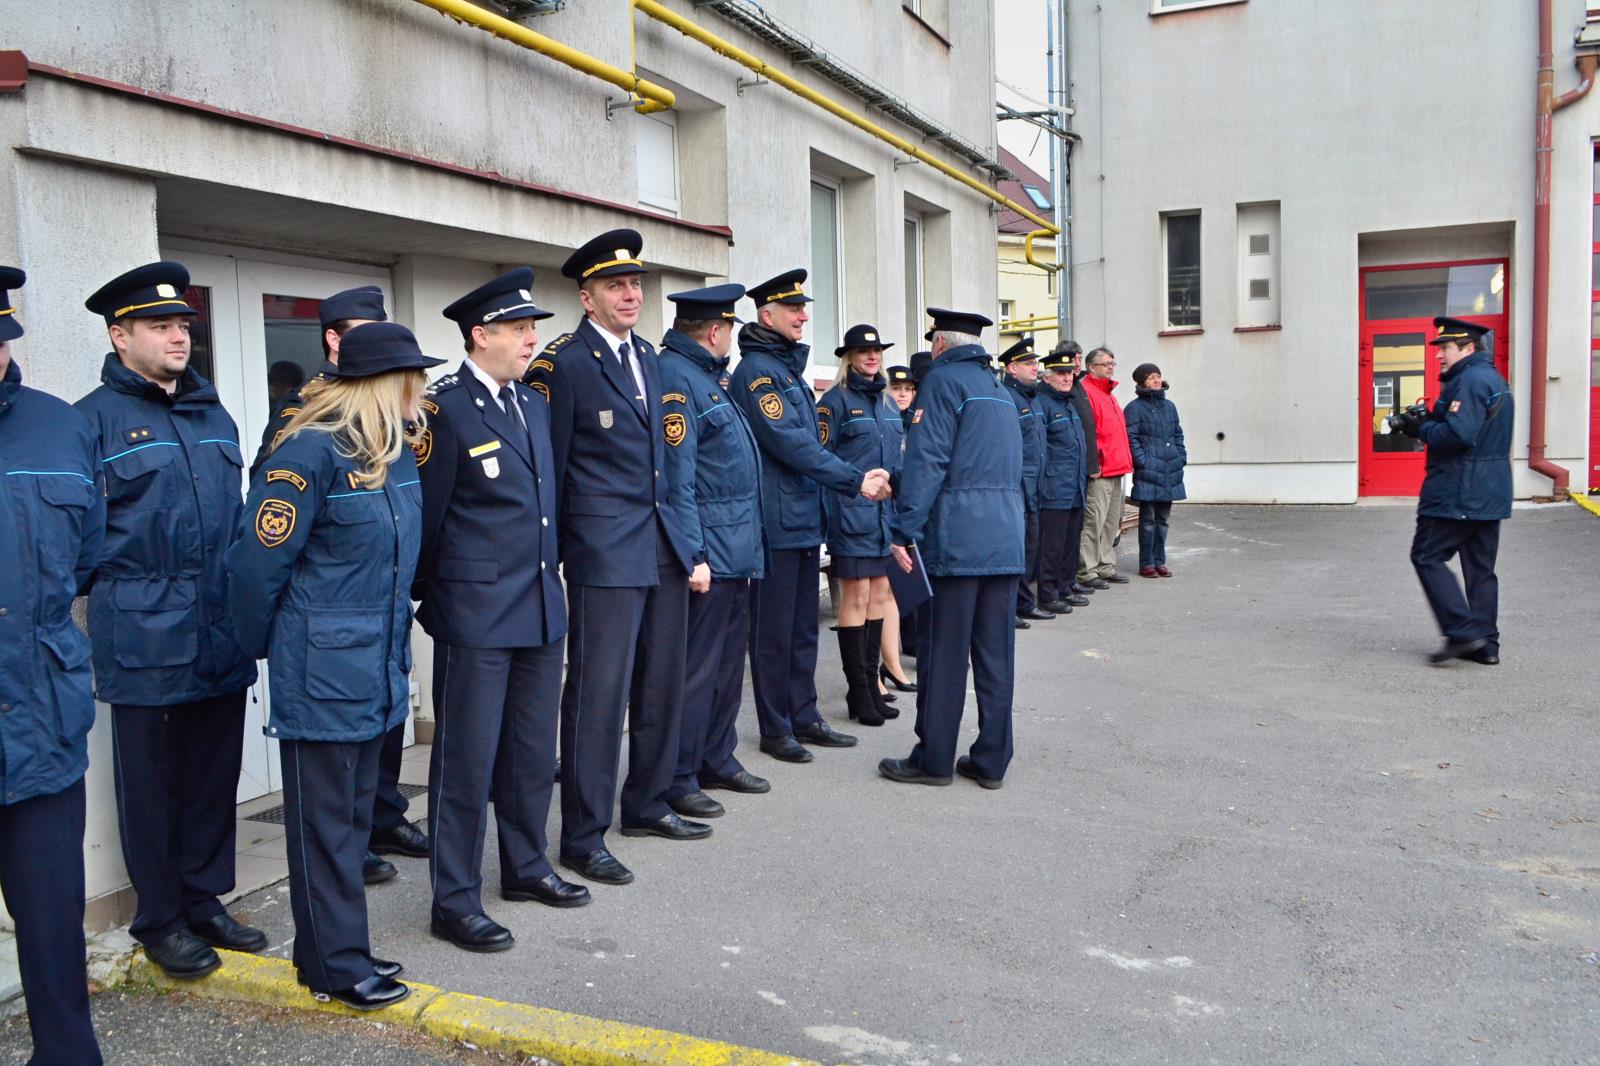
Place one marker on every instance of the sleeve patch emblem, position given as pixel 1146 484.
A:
pixel 541 364
pixel 822 432
pixel 430 407
pixel 674 397
pixel 1455 405
pixel 274 522
pixel 916 416
pixel 541 388
pixel 287 475
pixel 676 427
pixel 758 382
pixel 772 406
pixel 423 448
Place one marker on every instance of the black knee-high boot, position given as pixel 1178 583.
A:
pixel 852 651
pixel 872 652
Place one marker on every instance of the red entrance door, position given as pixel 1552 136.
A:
pixel 1398 368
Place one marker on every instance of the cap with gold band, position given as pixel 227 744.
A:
pixel 1022 349
pixel 613 252
pixel 787 288
pixel 708 304
pixel 154 290
pixel 10 278
pixel 1458 331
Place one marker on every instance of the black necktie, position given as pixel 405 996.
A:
pixel 627 368
pixel 508 399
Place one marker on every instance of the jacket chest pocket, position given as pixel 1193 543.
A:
pixel 858 439
pixel 145 478
pixel 354 532
pixel 63 501
pixel 155 623
pixel 345 657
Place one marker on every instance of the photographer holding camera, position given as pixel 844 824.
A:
pixel 1466 491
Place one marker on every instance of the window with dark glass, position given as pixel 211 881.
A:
pixel 1181 234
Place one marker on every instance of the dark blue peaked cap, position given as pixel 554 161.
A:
pixel 377 348
pixel 505 299
pixel 956 322
pixel 151 291
pixel 786 288
pixel 10 278
pixel 712 302
pixel 1458 331
pixel 1023 349
pixel 365 302
pixel 613 252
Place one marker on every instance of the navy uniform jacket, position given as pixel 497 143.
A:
pixel 960 495
pixel 287 408
pixel 860 424
pixel 609 454
pixel 713 469
pixel 487 573
pixel 320 584
pixel 1066 451
pixel 1031 417
pixel 52 523
pixel 1469 444
pixel 770 388
pixel 158 606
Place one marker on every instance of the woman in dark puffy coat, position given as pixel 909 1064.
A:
pixel 1156 439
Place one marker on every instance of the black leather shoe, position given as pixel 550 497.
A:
pixel 697 805
pixel 743 781
pixel 669 827
pixel 375 993
pixel 824 735
pixel 1117 579
pixel 403 839
pixel 223 932
pixel 183 956
pixel 1097 583
pixel 1082 590
pixel 1076 600
pixel 1465 649
pixel 1020 624
pixel 375 870
pixel 894 683
pixel 552 890
pixel 965 768
pixel 906 773
pixel 475 932
pixel 1058 606
pixel 381 967
pixel 1038 614
pixel 599 865
pixel 1487 657
pixel 786 749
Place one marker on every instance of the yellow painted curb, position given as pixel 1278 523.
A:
pixel 515 1028
pixel 1582 500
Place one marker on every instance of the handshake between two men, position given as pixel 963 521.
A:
pixel 875 485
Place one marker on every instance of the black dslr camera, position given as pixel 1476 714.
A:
pixel 1408 420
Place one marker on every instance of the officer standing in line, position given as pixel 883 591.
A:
pixel 1061 488
pixel 1021 380
pixel 52 524
pixel 960 502
pixel 714 481
pixel 899 630
pixel 392 834
pixel 769 386
pixel 165 656
pixel 320 583
pixel 493 604
pixel 1466 492
pixel 627 566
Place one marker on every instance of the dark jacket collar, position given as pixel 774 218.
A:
pixel 872 387
pixel 1475 359
pixel 695 352
pixel 1151 394
pixel 10 385
pixel 966 353
pixel 755 337
pixel 193 390
pixel 1022 388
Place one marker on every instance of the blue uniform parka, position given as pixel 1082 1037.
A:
pixel 769 386
pixel 320 585
pixel 158 605
pixel 1031 418
pixel 1468 473
pixel 1155 437
pixel 960 496
pixel 713 464
pixel 52 525
pixel 858 422
pixel 1066 452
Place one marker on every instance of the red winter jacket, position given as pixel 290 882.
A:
pixel 1110 430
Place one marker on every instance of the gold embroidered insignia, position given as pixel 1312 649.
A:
pixel 772 406
pixel 423 449
pixel 758 382
pixel 541 388
pixel 674 397
pixel 430 407
pixel 354 479
pixel 676 427
pixel 134 436
pixel 289 412
pixel 274 522
pixel 822 432
pixel 287 475
pixel 483 449
pixel 541 364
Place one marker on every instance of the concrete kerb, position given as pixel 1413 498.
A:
pixel 510 1028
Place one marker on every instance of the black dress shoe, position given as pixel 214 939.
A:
pixel 670 827
pixel 1487 657
pixel 904 771
pixel 1020 624
pixel 1038 614
pixel 965 768
pixel 475 932
pixel 403 839
pixel 375 870
pixel 1058 606
pixel 786 749
pixel 1117 579
pixel 599 865
pixel 1097 583
pixel 697 805
pixel 1075 600
pixel 375 993
pixel 183 956
pixel 1081 590
pixel 894 682
pixel 551 890
pixel 1465 649
pixel 824 735
pixel 381 967
pixel 888 697
pixel 223 932
pixel 743 781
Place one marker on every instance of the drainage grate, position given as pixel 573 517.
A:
pixel 274 815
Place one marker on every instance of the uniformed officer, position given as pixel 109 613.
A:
pixel 899 628
pixel 769 386
pixel 714 481
pixel 165 656
pixel 862 426
pixel 321 586
pixel 1466 492
pixel 960 502
pixel 627 566
pixel 1063 477
pixel 392 834
pixel 52 525
pixel 492 601
pixel 1021 366
pixel 902 390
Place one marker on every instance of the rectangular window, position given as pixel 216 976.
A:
pixel 827 271
pixel 1180 238
pixel 656 149
pixel 1008 308
pixel 1258 227
pixel 914 302
pixel 1162 7
pixel 1423 292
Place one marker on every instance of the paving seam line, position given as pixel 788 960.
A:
pixel 491 1024
pixel 1582 500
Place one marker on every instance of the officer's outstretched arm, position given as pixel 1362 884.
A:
pixel 285 496
pixel 929 447
pixel 681 429
pixel 785 436
pixel 436 469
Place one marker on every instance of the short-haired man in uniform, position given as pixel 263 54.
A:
pixel 960 503
pixel 714 481
pixel 1466 492
pixel 491 600
pixel 52 524
pixel 165 656
pixel 626 564
pixel 392 834
pixel 769 386
pixel 1021 380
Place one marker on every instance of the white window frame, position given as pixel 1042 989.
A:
pixel 1157 7
pixel 822 348
pixel 667 205
pixel 917 301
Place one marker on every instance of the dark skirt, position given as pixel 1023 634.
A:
pixel 851 567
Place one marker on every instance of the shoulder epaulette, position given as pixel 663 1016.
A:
pixel 554 346
pixel 444 384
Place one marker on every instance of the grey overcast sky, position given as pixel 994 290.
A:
pixel 1019 50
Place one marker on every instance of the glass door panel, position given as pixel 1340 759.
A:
pixel 1399 379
